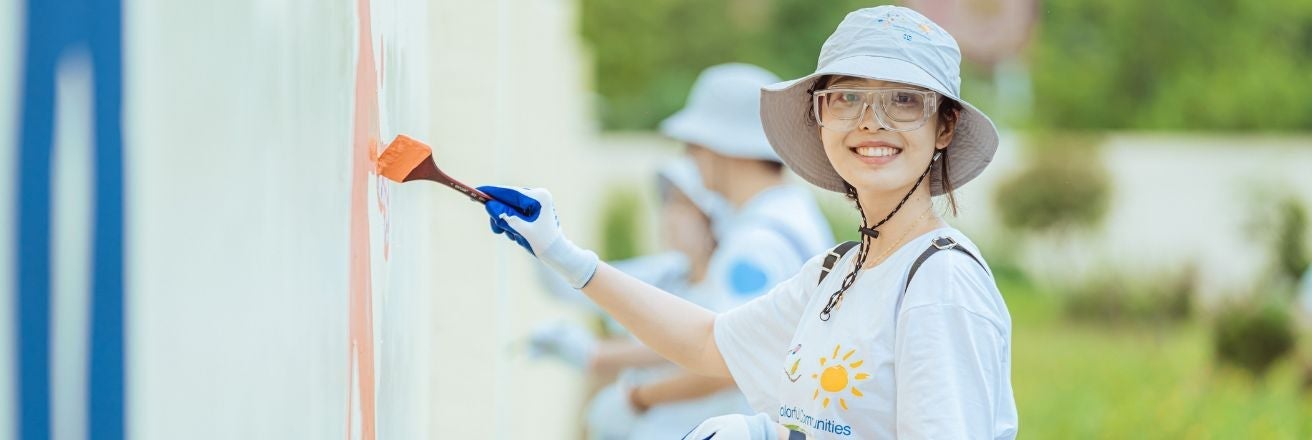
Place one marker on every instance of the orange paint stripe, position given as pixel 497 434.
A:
pixel 364 149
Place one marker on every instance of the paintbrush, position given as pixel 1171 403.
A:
pixel 407 159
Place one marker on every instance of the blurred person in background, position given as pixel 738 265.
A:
pixel 910 356
pixel 686 214
pixel 773 226
pixel 766 228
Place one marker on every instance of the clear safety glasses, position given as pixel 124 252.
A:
pixel 895 109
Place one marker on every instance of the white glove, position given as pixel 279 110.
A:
pixel 528 217
pixel 609 415
pixel 735 427
pixel 567 341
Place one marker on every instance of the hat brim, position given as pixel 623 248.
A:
pixel 786 115
pixel 711 132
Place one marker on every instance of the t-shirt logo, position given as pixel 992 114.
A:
pixel 794 361
pixel 835 377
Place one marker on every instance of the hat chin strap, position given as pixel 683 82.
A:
pixel 869 235
pixel 872 231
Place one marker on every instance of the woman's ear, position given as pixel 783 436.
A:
pixel 947 130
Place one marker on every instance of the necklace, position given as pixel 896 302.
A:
pixel 901 238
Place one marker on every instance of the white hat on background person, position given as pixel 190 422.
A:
pixel 723 112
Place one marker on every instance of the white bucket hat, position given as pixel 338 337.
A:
pixel 887 43
pixel 722 113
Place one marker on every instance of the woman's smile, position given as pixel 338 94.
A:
pixel 875 152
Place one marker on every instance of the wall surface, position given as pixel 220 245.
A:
pixel 273 285
pixel 274 289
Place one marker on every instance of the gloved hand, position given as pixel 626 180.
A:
pixel 528 217
pixel 567 341
pixel 735 427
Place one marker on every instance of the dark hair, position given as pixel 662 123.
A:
pixel 949 114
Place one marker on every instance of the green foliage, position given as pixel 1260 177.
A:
pixel 1280 220
pixel 842 217
pixel 621 224
pixel 1254 332
pixel 1132 381
pixel 1094 64
pixel 1175 65
pixel 1253 336
pixel 1064 185
pixel 648 53
pixel 999 248
pixel 1290 246
pixel 1111 297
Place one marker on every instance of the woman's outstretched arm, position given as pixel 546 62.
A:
pixel 677 329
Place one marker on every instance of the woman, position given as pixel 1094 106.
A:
pixel 876 351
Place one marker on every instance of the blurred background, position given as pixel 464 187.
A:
pixel 197 246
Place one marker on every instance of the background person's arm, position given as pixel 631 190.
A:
pixel 682 387
pixel 613 355
pixel 677 329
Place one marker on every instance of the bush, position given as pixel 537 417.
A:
pixel 1164 297
pixel 1064 185
pixel 1280 220
pixel 1252 336
pixel 621 224
pixel 1290 240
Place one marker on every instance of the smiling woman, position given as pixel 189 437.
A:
pixel 927 339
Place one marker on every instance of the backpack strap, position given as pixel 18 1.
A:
pixel 943 243
pixel 834 254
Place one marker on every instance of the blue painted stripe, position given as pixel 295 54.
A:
pixel 32 232
pixel 51 27
pixel 106 382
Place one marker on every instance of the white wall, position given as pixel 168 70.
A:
pixel 1177 199
pixel 11 13
pixel 240 148
pixel 509 107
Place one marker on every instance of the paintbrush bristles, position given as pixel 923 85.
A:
pixel 401 157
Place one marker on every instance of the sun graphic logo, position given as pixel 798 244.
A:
pixel 834 379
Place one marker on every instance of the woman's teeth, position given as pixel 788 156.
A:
pixel 876 151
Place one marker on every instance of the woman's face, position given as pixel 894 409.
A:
pixel 685 228
pixel 709 166
pixel 873 159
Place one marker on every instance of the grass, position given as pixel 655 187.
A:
pixel 1089 380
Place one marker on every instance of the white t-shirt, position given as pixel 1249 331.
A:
pixel 942 371
pixel 762 244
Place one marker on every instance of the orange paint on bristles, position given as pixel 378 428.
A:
pixel 401 157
